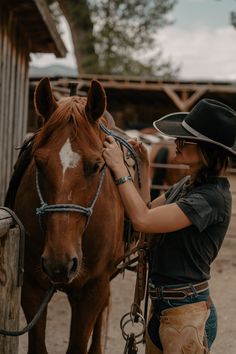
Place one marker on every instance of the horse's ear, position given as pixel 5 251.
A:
pixel 96 101
pixel 44 101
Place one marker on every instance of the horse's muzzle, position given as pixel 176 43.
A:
pixel 60 273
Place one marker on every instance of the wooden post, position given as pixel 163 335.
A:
pixel 10 259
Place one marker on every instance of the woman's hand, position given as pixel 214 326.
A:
pixel 113 156
pixel 141 151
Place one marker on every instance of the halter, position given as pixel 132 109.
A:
pixel 88 211
pixel 45 208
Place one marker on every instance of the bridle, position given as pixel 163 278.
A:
pixel 87 211
pixel 129 147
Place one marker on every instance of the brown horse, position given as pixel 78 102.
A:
pixel 81 216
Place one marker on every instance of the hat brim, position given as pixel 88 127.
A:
pixel 171 125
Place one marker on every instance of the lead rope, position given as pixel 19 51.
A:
pixel 49 293
pixel 35 318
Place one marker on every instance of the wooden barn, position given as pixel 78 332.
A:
pixel 136 102
pixel 26 26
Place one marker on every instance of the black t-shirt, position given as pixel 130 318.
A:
pixel 185 256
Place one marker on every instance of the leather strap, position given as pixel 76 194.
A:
pixel 140 285
pixel 178 293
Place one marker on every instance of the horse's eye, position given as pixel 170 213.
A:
pixel 40 162
pixel 91 168
pixel 95 167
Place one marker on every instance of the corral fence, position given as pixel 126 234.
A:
pixel 11 277
pixel 230 172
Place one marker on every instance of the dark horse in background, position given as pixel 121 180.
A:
pixel 77 247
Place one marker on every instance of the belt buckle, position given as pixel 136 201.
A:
pixel 159 294
pixel 155 292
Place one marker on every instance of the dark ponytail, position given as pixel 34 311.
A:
pixel 215 161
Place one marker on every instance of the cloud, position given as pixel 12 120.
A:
pixel 203 53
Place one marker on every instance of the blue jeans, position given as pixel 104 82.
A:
pixel 160 305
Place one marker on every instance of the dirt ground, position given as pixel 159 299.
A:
pixel 222 284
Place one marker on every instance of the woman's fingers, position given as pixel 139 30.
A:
pixel 133 142
pixel 143 148
pixel 106 143
pixel 110 145
pixel 109 139
pixel 138 146
pixel 112 154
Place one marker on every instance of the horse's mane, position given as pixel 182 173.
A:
pixel 70 110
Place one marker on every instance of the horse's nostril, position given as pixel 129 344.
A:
pixel 59 272
pixel 74 266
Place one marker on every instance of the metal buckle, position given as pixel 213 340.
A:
pixel 155 293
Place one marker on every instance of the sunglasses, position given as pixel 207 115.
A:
pixel 182 142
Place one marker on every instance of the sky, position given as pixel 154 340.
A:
pixel 201 41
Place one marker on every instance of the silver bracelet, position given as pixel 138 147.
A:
pixel 123 180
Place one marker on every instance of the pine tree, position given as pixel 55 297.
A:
pixel 110 36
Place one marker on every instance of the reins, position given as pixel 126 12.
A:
pixel 129 147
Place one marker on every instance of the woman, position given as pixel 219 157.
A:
pixel 189 223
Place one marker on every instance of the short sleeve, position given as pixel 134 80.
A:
pixel 176 188
pixel 202 208
pixel 169 191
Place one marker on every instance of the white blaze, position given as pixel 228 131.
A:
pixel 69 158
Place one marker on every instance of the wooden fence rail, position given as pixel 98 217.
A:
pixel 11 273
pixel 230 171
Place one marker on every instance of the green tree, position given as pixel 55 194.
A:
pixel 77 14
pixel 233 18
pixel 110 36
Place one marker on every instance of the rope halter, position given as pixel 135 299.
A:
pixel 88 211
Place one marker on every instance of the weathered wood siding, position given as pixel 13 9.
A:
pixel 14 58
pixel 9 287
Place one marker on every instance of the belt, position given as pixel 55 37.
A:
pixel 178 293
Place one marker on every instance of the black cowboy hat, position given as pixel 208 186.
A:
pixel 209 121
